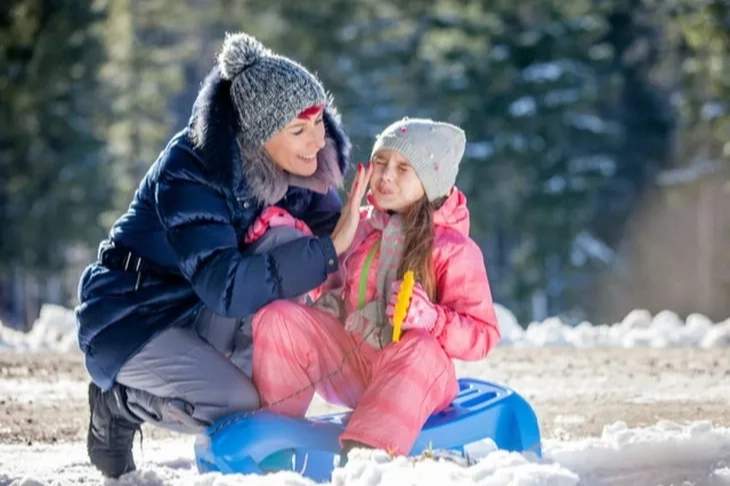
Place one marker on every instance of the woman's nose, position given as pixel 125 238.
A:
pixel 317 141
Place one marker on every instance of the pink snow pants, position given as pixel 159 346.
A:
pixel 393 391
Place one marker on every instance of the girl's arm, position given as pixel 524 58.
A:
pixel 466 325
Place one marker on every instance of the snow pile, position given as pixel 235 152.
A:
pixel 665 453
pixel 638 329
pixel 55 330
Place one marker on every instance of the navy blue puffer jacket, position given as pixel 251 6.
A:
pixel 187 221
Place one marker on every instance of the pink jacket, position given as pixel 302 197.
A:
pixel 467 324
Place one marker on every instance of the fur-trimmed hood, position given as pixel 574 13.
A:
pixel 214 131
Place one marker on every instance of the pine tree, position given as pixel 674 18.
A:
pixel 698 33
pixel 148 48
pixel 52 173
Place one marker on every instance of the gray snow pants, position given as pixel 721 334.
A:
pixel 186 378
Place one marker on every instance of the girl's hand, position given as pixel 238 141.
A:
pixel 344 231
pixel 421 314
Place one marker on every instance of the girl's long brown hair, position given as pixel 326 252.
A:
pixel 418 244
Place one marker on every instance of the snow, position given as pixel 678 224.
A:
pixel 556 184
pixel 562 97
pixel 638 328
pixel 543 72
pixel 665 453
pixel 660 454
pixel 698 169
pixel 591 123
pixel 525 106
pixel 587 246
pixel 694 453
pixel 598 163
pixel 55 329
pixel 480 150
pixel 712 110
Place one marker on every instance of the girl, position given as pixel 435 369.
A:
pixel 343 347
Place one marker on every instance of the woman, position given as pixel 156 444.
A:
pixel 160 313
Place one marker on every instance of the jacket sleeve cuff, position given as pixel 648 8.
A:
pixel 330 255
pixel 438 327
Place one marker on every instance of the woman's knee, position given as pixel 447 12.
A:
pixel 243 397
pixel 226 399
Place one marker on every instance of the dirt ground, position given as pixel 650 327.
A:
pixel 574 392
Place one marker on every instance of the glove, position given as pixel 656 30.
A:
pixel 272 217
pixel 421 313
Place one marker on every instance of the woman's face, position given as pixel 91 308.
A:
pixel 295 147
pixel 394 183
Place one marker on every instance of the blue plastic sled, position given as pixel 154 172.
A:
pixel 265 442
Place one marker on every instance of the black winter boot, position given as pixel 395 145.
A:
pixel 111 431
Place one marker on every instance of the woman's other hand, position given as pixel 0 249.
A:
pixel 344 231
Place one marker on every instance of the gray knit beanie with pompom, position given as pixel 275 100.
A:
pixel 433 148
pixel 267 89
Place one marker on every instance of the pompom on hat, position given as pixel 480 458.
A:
pixel 267 89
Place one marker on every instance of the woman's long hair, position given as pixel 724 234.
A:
pixel 418 245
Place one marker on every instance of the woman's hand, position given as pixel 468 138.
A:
pixel 344 231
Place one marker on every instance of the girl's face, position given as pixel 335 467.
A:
pixel 296 146
pixel 394 183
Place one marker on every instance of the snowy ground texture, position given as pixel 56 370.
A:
pixel 641 402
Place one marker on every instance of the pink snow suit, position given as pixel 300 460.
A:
pixel 340 352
